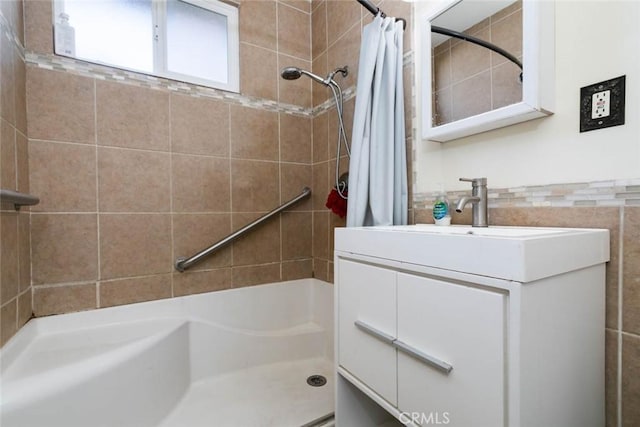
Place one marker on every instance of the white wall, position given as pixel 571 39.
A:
pixel 595 41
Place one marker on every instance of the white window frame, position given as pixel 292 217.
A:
pixel 159 25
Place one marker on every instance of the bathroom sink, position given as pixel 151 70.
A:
pixel 507 232
pixel 522 254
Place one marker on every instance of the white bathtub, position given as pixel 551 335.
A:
pixel 238 357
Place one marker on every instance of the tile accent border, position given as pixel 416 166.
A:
pixel 103 72
pixel 108 73
pixel 623 192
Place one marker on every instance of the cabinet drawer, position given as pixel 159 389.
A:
pixel 367 296
pixel 464 327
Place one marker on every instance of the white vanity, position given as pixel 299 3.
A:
pixel 465 326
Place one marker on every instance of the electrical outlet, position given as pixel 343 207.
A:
pixel 602 104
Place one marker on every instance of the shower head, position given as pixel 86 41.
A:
pixel 293 73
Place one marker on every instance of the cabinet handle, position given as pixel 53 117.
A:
pixel 423 357
pixel 374 332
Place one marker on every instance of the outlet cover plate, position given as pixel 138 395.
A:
pixel 614 90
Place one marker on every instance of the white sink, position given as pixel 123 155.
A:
pixel 506 232
pixel 522 254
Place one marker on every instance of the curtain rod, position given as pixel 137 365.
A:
pixel 475 40
pixel 376 10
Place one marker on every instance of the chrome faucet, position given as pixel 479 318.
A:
pixel 478 199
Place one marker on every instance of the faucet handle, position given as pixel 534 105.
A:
pixel 476 182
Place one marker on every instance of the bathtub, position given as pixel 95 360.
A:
pixel 238 357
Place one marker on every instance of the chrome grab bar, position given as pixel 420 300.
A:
pixel 183 263
pixel 18 199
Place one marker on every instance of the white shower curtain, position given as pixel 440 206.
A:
pixel 378 165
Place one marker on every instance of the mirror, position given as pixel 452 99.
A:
pixel 473 88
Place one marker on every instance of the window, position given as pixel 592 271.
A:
pixel 195 41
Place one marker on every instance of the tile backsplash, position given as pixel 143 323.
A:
pixel 612 205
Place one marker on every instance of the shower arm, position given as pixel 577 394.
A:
pixel 475 40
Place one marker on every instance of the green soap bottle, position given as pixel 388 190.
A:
pixel 441 214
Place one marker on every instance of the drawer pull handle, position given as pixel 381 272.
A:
pixel 423 357
pixel 374 332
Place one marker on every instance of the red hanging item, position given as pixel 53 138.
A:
pixel 336 203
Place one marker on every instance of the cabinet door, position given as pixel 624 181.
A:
pixel 464 327
pixel 367 295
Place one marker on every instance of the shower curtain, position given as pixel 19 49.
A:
pixel 378 165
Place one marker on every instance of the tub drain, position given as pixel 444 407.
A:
pixel 316 380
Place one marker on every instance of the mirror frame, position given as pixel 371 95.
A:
pixel 538 87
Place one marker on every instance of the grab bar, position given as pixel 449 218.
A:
pixel 183 263
pixel 18 199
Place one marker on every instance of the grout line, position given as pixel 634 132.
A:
pixel 15 150
pixel 278 65
pixel 17 226
pixel 310 52
pixel 110 280
pixel 342 36
pixel 326 32
pixel 30 257
pixel 293 57
pixel 230 165
pixel 17 230
pixel 53 141
pixel 278 84
pixel 280 201
pixel 620 303
pixel 299 10
pixel 143 150
pixel 492 22
pixel 630 334
pixel 262 212
pixel 97 172
pixel 67 284
pixel 261 47
pixel 171 212
pixel 326 35
pixel 317 5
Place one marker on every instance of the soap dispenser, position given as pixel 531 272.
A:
pixel 441 213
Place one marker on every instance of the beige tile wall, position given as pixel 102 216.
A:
pixel 336 26
pixel 464 71
pixel 15 280
pixel 622 289
pixel 132 177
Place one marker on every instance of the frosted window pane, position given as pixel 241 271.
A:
pixel 117 32
pixel 196 42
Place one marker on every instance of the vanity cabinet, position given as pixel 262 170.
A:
pixel 423 345
pixel 392 324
